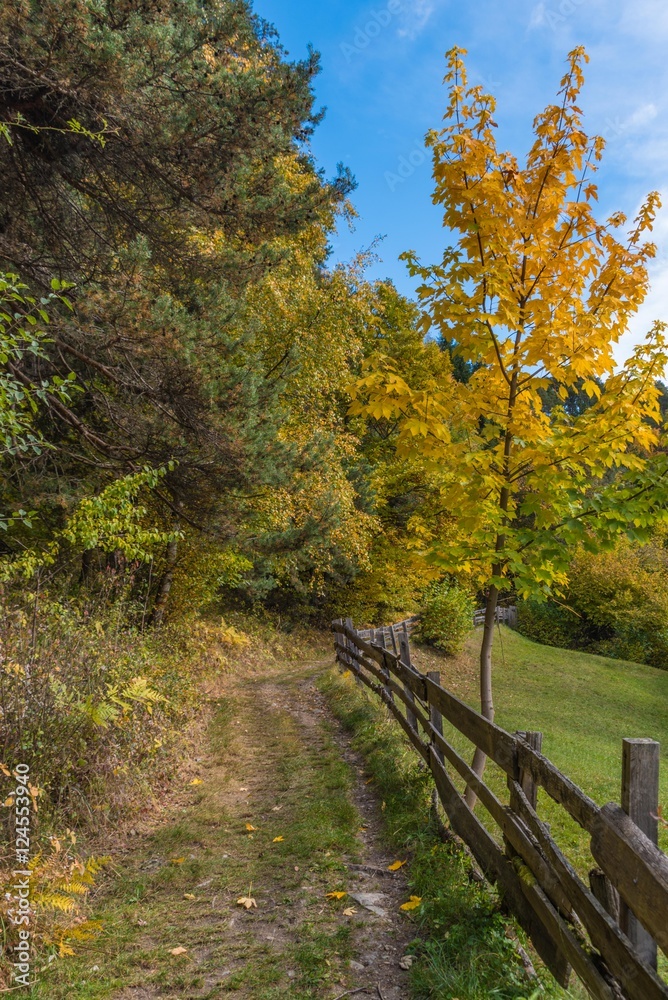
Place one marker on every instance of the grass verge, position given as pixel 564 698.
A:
pixel 465 946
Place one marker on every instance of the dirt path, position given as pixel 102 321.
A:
pixel 278 811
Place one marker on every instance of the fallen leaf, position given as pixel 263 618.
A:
pixel 349 911
pixel 395 866
pixel 178 951
pixel 9 801
pixel 250 827
pixel 369 781
pixel 177 861
pixel 406 962
pixel 197 781
pixel 412 903
pixel 277 840
pixel 5 770
pixel 335 895
pixel 276 809
pixel 247 902
pixel 189 895
pixel 383 807
pixel 242 789
pixel 141 923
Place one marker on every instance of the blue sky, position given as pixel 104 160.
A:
pixel 383 65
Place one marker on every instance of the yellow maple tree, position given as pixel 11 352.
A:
pixel 534 293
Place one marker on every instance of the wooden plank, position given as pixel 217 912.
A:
pixel 420 745
pixel 640 800
pixel 379 690
pixel 363 662
pixel 510 825
pixel 435 716
pixel 496 742
pixel 557 785
pixel 635 866
pixel 638 981
pixel 409 676
pixel 499 869
pixel 605 892
pixel 572 951
pixel 405 660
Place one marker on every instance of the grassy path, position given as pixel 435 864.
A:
pixel 277 812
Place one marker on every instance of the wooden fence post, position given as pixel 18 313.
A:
pixel 435 716
pixel 405 653
pixel 640 801
pixel 526 781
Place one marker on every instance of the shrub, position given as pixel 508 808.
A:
pixel 550 624
pixel 446 616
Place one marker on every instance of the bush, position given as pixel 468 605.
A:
pixel 446 616
pixel 550 624
pixel 616 605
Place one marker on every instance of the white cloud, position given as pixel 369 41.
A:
pixel 415 17
pixel 537 16
pixel 655 305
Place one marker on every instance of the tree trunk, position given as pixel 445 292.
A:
pixel 165 585
pixel 486 699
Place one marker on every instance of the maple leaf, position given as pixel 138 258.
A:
pixel 196 781
pixel 178 951
pixel 335 895
pixel 349 911
pixel 395 866
pixel 412 903
pixel 247 902
pixel 5 770
pixel 177 861
pixel 277 840
pixel 189 895
pixel 250 827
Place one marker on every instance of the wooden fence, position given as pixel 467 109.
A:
pixel 606 931
pixel 507 615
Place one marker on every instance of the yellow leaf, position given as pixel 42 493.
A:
pixel 247 902
pixel 189 895
pixel 349 911
pixel 5 770
pixel 335 895
pixel 8 801
pixel 383 807
pixel 196 781
pixel 250 827
pixel 395 866
pixel 178 951
pixel 277 840
pixel 412 903
pixel 177 861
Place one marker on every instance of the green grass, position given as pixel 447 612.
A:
pixel 584 706
pixel 462 939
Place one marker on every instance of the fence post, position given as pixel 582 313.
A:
pixel 405 655
pixel 435 716
pixel 382 641
pixel 640 800
pixel 525 781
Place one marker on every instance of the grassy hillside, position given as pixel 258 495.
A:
pixel 584 706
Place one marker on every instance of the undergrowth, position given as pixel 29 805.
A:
pixel 465 947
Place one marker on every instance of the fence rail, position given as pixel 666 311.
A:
pixel 507 615
pixel 607 931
